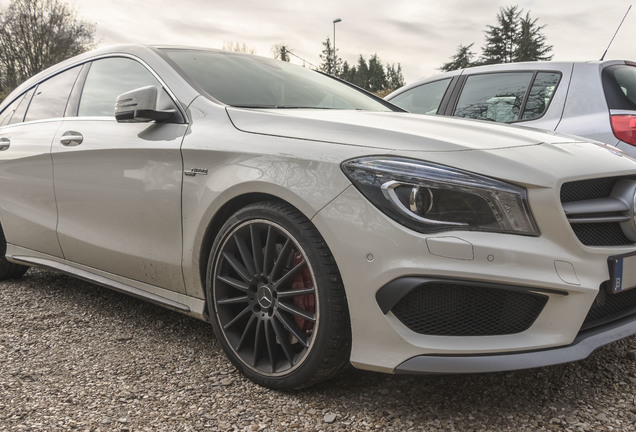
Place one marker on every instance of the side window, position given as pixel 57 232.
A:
pixel 424 99
pixel 8 112
pixel 107 79
pixel 51 96
pixel 540 94
pixel 495 96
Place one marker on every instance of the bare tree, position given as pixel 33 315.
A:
pixel 237 47
pixel 36 34
pixel 281 52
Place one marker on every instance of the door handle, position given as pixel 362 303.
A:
pixel 4 144
pixel 71 138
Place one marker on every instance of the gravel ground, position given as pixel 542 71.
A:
pixel 74 356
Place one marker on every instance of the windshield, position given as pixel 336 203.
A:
pixel 255 82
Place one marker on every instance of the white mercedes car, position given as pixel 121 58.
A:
pixel 312 224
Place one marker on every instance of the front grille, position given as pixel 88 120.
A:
pixel 587 189
pixel 447 309
pixel 609 307
pixel 597 233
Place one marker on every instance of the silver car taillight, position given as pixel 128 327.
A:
pixel 624 127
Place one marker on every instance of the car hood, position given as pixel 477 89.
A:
pixel 388 130
pixel 522 155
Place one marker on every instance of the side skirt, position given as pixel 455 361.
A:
pixel 178 302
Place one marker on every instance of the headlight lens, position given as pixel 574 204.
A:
pixel 430 198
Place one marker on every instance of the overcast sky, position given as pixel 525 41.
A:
pixel 421 35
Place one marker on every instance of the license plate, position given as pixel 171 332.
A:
pixel 622 272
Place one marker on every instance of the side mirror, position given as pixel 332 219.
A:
pixel 140 105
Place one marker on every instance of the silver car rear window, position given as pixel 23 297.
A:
pixel 619 84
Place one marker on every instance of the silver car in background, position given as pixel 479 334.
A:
pixel 595 100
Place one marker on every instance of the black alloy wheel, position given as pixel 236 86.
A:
pixel 276 299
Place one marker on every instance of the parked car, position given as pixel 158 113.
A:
pixel 596 100
pixel 310 223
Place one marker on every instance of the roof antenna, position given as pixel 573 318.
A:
pixel 619 27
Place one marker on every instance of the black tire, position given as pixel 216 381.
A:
pixel 276 299
pixel 8 270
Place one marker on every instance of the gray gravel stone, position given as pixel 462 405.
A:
pixel 77 357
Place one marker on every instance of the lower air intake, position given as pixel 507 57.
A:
pixel 463 310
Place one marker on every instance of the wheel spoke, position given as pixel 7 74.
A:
pixel 289 275
pixel 246 255
pixel 246 332
pixel 257 249
pixel 237 266
pixel 241 286
pixel 232 300
pixel 280 260
pixel 270 339
pixel 236 318
pixel 295 293
pixel 295 311
pixel 293 329
pixel 270 249
pixel 257 342
pixel 284 342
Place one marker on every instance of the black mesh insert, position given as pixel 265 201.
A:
pixel 610 307
pixel 446 309
pixel 594 234
pixel 587 189
pixel 600 234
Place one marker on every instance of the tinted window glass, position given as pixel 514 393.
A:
pixel 7 114
pixel 51 96
pixel 495 97
pixel 18 116
pixel 424 99
pixel 540 94
pixel 619 83
pixel 251 81
pixel 107 79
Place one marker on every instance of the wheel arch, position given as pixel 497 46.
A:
pixel 220 217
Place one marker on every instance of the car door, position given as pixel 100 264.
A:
pixel 27 127
pixel 118 185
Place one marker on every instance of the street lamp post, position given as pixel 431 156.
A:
pixel 337 20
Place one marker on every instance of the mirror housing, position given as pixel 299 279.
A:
pixel 140 106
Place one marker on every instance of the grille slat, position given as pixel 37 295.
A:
pixel 594 233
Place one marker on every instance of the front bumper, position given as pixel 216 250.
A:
pixel 372 251
pixel 584 344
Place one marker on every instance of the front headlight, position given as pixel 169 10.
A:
pixel 429 198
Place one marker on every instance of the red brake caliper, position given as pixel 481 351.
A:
pixel 305 302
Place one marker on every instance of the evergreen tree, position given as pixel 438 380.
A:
pixel 513 39
pixel 394 77
pixel 327 57
pixel 368 75
pixel 377 77
pixel 462 59
pixel 361 78
pixel 348 73
pixel 531 44
pixel 501 40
